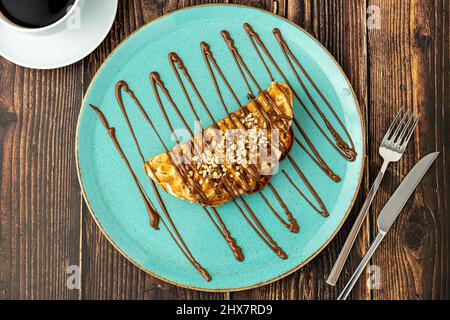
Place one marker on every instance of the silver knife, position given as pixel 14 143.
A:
pixel 390 212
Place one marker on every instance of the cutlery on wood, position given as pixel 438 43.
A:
pixel 391 149
pixel 390 212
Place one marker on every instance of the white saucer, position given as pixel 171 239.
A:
pixel 63 47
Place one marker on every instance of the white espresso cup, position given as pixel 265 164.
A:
pixel 63 23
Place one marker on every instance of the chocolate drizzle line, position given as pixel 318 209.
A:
pixel 275 118
pixel 228 185
pixel 153 215
pixel 315 156
pixel 123 85
pixel 155 77
pixel 243 67
pixel 156 81
pixel 225 233
pixel 260 230
pixel 323 210
pixel 177 237
pixel 348 152
pixel 175 61
pixel 317 159
pixel 292 224
pixel 182 169
pixel 173 234
pixel 209 58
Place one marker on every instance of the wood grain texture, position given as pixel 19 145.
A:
pixel 40 195
pixel 45 226
pixel 409 63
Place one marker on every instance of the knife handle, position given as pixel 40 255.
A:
pixel 351 283
pixel 342 258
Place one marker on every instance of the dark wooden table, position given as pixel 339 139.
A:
pixel 45 225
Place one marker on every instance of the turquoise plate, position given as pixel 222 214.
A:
pixel 110 191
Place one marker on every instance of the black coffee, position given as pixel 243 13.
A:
pixel 34 13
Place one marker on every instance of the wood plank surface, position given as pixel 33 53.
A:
pixel 40 196
pixel 45 225
pixel 409 64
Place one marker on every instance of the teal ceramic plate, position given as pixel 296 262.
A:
pixel 110 191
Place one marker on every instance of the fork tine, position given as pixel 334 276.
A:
pixel 399 126
pixel 393 124
pixel 405 130
pixel 411 131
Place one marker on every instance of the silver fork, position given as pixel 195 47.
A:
pixel 391 149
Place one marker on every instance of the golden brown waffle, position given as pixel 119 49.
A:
pixel 221 181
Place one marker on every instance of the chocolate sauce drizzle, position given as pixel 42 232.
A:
pixel 154 216
pixel 348 152
pixel 225 233
pixel 280 120
pixel 292 224
pixel 275 119
pixel 176 162
pixel 227 185
pixel 177 64
pixel 209 59
pixel 315 155
pixel 316 158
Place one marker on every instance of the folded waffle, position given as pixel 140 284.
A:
pixel 226 161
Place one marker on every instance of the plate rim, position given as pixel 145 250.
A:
pixel 318 251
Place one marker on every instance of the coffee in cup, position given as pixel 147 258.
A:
pixel 34 14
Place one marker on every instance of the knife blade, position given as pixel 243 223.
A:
pixel 398 200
